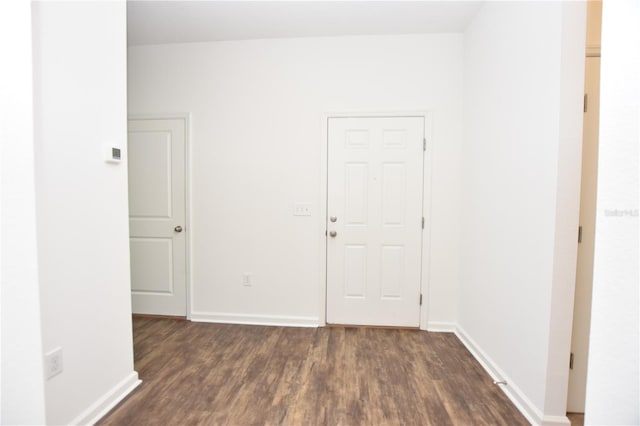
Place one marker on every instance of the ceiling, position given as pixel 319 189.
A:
pixel 157 22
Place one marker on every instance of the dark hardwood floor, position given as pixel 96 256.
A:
pixel 219 374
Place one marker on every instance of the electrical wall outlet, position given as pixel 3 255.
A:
pixel 246 279
pixel 53 363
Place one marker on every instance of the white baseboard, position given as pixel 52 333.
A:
pixel 555 421
pixel 522 403
pixel 441 327
pixel 109 400
pixel 272 320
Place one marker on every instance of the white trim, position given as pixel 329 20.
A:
pixel 187 194
pixel 187 214
pixel 426 201
pixel 425 273
pixel 375 113
pixel 250 319
pixel 109 400
pixel 519 399
pixel 555 421
pixel 322 219
pixel 441 327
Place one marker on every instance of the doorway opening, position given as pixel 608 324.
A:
pixel 158 215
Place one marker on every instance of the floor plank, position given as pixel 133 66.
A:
pixel 223 374
pixel 576 419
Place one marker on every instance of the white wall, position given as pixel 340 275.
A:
pixel 256 109
pixel 82 219
pixel 613 379
pixel 571 45
pixel 22 391
pixel 520 196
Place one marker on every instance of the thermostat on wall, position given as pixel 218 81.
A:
pixel 113 154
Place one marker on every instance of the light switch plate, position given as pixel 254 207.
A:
pixel 302 209
pixel 113 154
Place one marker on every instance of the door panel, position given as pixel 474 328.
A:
pixel 150 184
pixel 356 190
pixel 375 175
pixel 394 185
pixel 391 272
pixel 355 270
pixel 156 207
pixel 151 265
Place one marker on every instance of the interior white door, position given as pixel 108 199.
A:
pixel 157 210
pixel 584 267
pixel 374 220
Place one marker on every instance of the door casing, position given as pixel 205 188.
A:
pixel 426 203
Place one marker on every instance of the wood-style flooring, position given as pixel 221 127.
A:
pixel 576 419
pixel 220 374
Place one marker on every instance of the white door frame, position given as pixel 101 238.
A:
pixel 426 204
pixel 187 189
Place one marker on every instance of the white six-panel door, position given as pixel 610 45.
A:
pixel 156 159
pixel 374 220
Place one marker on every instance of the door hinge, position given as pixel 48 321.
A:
pixel 424 144
pixel 420 299
pixel 579 234
pixel 586 102
pixel 571 361
pixel 422 222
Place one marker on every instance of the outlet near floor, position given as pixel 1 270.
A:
pixel 246 279
pixel 53 363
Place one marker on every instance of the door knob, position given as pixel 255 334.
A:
pixel 333 234
pixel 333 218
pixel 178 228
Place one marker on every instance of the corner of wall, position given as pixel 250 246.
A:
pixel 521 180
pixel 513 392
pixel 80 99
pixel 571 91
pixel 22 395
pixel 613 385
